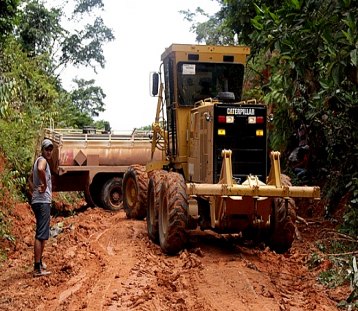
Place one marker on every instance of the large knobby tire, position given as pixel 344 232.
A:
pixel 283 221
pixel 173 207
pixel 135 187
pixel 154 186
pixel 111 194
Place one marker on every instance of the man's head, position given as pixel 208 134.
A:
pixel 46 144
pixel 46 148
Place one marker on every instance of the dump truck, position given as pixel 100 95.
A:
pixel 94 161
pixel 216 172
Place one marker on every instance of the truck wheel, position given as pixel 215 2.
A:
pixel 173 206
pixel 111 194
pixel 135 186
pixel 155 183
pixel 283 222
pixel 93 196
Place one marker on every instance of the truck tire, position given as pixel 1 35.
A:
pixel 95 191
pixel 135 187
pixel 111 194
pixel 155 183
pixel 88 198
pixel 172 218
pixel 283 222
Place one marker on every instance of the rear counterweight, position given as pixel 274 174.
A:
pixel 242 129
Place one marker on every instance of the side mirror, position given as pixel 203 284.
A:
pixel 154 83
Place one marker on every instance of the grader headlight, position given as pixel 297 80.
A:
pixel 230 119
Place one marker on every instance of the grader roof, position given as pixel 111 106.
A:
pixel 207 53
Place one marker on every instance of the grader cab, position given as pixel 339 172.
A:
pixel 214 168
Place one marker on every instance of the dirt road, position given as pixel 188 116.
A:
pixel 101 260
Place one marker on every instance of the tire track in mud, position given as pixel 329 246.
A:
pixel 122 270
pixel 235 277
pixel 103 258
pixel 128 272
pixel 104 261
pixel 229 281
pixel 111 245
pixel 156 281
pixel 295 285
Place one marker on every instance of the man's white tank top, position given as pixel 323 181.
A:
pixel 45 197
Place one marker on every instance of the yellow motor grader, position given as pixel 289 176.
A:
pixel 214 172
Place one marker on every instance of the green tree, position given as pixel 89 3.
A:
pixel 213 31
pixel 31 95
pixel 309 50
pixel 34 48
pixel 39 28
pixel 88 98
pixel 314 80
pixel 27 86
pixel 8 13
pixel 41 31
pixel 42 35
pixel 230 25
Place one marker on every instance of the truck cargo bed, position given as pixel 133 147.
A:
pixel 76 150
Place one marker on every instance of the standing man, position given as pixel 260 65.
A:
pixel 41 204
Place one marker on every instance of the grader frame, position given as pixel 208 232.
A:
pixel 190 186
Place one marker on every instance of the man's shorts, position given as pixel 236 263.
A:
pixel 42 213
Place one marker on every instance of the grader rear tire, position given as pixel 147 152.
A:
pixel 283 222
pixel 173 206
pixel 135 186
pixel 154 186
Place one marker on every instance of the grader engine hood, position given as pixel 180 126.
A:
pixel 238 127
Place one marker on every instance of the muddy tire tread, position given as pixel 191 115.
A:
pixel 283 229
pixel 140 177
pixel 174 190
pixel 154 186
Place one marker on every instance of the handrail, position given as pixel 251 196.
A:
pixel 59 135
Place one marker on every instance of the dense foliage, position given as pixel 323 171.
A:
pixel 8 13
pixel 35 48
pixel 304 65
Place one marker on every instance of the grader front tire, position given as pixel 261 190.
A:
pixel 154 186
pixel 173 206
pixel 135 186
